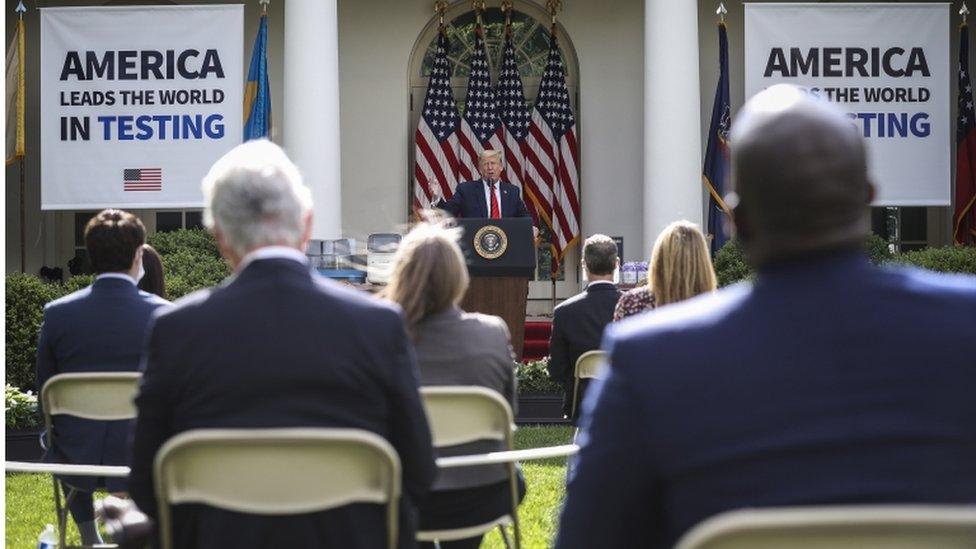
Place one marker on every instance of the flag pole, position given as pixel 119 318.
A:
pixel 264 6
pixel 553 6
pixel 963 11
pixel 721 11
pixel 22 164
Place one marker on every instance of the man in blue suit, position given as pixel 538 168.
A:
pixel 100 328
pixel 827 381
pixel 486 197
pixel 278 346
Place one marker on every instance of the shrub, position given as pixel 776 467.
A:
pixel 877 249
pixel 197 241
pixel 948 259
pixel 730 264
pixel 20 409
pixel 731 267
pixel 186 271
pixel 191 261
pixel 25 299
pixel 533 378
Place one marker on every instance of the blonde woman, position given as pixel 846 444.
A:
pixel 680 269
pixel 453 347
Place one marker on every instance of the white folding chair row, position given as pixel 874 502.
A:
pixel 291 470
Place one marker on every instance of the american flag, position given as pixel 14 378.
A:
pixel 436 138
pixel 480 127
pixel 553 158
pixel 142 179
pixel 514 114
pixel 964 219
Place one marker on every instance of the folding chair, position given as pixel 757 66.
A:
pixel 589 365
pixel 838 527
pixel 102 396
pixel 276 472
pixel 461 414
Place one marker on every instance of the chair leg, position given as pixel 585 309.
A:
pixel 505 538
pixel 63 510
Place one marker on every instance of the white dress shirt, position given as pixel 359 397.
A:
pixel 498 196
pixel 120 276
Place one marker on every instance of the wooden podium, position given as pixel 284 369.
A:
pixel 500 254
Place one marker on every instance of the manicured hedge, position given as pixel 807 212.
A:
pixel 26 296
pixel 731 266
pixel 191 261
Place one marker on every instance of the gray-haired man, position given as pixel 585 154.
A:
pixel 277 346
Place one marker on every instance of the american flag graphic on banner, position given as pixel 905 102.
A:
pixel 142 179
pixel 514 115
pixel 436 161
pixel 480 127
pixel 552 157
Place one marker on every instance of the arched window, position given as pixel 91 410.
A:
pixel 530 38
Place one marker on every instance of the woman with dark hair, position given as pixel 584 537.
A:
pixel 152 278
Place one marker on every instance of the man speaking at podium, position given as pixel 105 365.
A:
pixel 486 197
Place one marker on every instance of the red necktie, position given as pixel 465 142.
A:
pixel 494 201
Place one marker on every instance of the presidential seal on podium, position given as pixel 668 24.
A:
pixel 490 242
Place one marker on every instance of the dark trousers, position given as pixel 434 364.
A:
pixel 81 505
pixel 444 509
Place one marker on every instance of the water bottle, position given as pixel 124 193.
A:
pixel 48 539
pixel 628 274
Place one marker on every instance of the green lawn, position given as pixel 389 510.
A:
pixel 29 504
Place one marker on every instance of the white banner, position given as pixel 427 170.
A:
pixel 137 103
pixel 886 65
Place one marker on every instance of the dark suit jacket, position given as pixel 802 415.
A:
pixel 577 327
pixel 469 201
pixel 279 347
pixel 101 328
pixel 827 382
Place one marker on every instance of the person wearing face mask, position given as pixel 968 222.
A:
pixel 100 328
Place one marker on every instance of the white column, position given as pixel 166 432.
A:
pixel 672 116
pixel 311 106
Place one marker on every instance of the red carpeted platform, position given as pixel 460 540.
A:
pixel 537 334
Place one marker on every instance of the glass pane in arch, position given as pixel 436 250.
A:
pixel 530 38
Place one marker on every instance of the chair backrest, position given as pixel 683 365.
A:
pixel 838 527
pixel 276 472
pixel 591 364
pixel 462 413
pixel 103 396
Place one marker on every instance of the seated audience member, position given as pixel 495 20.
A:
pixel 152 265
pixel 454 348
pixel 827 381
pixel 578 322
pixel 681 268
pixel 277 346
pixel 100 328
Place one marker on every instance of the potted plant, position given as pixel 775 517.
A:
pixel 540 399
pixel 23 426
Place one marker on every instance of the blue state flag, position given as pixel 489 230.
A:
pixel 257 91
pixel 715 174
